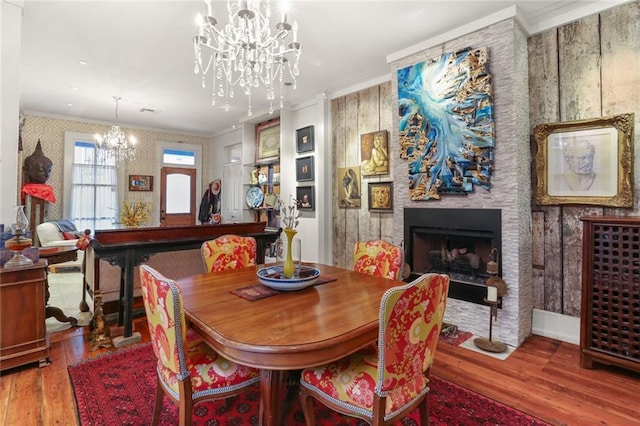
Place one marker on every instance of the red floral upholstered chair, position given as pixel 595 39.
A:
pixel 382 387
pixel 189 371
pixel 228 252
pixel 377 258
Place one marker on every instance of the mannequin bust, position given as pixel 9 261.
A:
pixel 37 167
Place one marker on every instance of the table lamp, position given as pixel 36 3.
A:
pixel 19 242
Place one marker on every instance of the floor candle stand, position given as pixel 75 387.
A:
pixel 489 344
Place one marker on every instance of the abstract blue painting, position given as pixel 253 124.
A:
pixel 446 124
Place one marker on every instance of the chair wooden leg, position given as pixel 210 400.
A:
pixel 424 412
pixel 158 404
pixel 379 406
pixel 186 409
pixel 306 401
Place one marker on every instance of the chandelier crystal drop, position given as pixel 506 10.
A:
pixel 247 52
pixel 114 143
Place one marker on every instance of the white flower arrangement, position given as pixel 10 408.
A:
pixel 289 214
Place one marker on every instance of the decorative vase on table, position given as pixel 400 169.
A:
pixel 19 242
pixel 289 268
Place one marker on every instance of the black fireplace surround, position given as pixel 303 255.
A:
pixel 457 242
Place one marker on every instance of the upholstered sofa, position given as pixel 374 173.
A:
pixel 59 233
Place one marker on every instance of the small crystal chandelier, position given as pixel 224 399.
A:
pixel 114 143
pixel 246 52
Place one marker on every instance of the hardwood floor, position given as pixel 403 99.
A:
pixel 542 378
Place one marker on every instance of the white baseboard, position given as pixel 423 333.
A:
pixel 556 326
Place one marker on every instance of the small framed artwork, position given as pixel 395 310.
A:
pixel 305 198
pixel 374 153
pixel 304 139
pixel 140 183
pixel 381 196
pixel 304 169
pixel 585 162
pixel 348 187
pixel 268 139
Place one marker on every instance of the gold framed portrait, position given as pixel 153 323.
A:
pixel 374 154
pixel 268 140
pixel 585 162
pixel 381 196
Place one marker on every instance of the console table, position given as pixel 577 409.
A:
pixel 128 248
pixel 58 254
pixel 23 334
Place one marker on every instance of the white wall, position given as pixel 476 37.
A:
pixel 10 34
pixel 314 229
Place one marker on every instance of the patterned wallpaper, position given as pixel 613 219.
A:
pixel 51 132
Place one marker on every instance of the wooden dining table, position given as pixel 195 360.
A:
pixel 287 331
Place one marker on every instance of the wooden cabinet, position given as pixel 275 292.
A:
pixel 23 338
pixel 610 317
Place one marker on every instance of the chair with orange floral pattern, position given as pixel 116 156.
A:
pixel 189 371
pixel 228 252
pixel 378 258
pixel 384 386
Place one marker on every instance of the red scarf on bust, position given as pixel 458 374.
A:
pixel 39 190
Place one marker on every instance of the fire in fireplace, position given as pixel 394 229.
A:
pixel 458 242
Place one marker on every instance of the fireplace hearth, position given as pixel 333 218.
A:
pixel 457 242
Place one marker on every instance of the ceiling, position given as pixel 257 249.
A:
pixel 142 51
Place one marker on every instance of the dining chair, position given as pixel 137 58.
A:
pixel 228 252
pixel 378 258
pixel 189 371
pixel 383 386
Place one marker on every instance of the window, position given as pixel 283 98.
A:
pixel 179 157
pixel 93 192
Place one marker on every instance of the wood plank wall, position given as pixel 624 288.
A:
pixel 581 70
pixel 366 111
pixel 589 68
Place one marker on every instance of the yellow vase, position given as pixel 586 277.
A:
pixel 289 267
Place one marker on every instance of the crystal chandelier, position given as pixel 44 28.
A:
pixel 114 143
pixel 245 52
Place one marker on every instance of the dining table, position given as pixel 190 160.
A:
pixel 286 330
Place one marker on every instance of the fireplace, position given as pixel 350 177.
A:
pixel 457 242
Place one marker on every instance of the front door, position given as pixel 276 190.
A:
pixel 177 196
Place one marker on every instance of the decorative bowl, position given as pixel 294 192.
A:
pixel 304 276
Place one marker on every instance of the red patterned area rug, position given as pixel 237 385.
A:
pixel 119 389
pixel 451 335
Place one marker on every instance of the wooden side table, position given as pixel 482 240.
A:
pixel 53 255
pixel 23 334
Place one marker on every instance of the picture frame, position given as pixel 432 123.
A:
pixel 380 196
pixel 374 153
pixel 304 169
pixel 140 183
pixel 305 195
pixel 304 139
pixel 268 140
pixel 585 162
pixel 348 187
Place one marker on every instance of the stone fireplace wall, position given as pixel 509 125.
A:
pixel 507 45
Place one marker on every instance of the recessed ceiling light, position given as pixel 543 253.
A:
pixel 84 62
pixel 69 105
pixel 75 88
